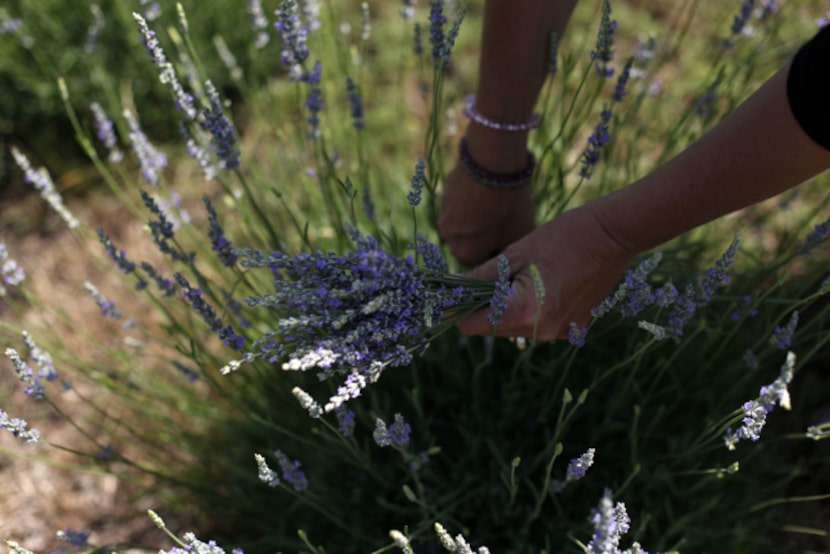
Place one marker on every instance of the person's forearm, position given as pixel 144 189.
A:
pixel 757 152
pixel 515 49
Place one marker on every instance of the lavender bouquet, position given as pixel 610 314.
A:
pixel 356 314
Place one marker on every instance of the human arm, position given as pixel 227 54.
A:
pixel 477 220
pixel 756 152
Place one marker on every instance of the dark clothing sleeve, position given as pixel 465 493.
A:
pixel 808 87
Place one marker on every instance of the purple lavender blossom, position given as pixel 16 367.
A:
pixel 8 24
pixel 162 230
pixel 221 130
pixel 18 428
pixel 42 182
pixel 820 232
pixel 105 132
pixel 293 35
pixel 745 309
pixel 106 306
pixel 755 411
pixel 167 74
pixel 11 273
pixel 622 81
pixel 437 20
pixel 577 468
pixel 226 332
pixel 165 285
pixel 418 181
pixel 151 12
pixel 198 153
pixel 291 471
pixel 355 104
pixel 599 138
pixel 345 420
pixel 74 538
pixel 703 104
pixel 356 314
pixel 314 101
pixel 430 253
pixel 120 258
pixel 396 434
pixel 605 42
pixel 823 21
pixel 739 22
pixel 503 291
pixel 700 294
pixel 219 243
pixel 577 334
pixel 610 523
pixel 782 337
pixel 150 160
pixel 33 386
pixel 452 34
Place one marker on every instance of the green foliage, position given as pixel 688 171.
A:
pixel 492 424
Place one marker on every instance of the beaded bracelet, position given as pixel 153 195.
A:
pixel 471 112
pixel 495 180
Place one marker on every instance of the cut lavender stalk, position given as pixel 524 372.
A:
pixel 354 315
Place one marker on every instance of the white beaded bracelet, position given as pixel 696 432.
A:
pixel 471 112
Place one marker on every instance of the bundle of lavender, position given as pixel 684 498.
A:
pixel 356 314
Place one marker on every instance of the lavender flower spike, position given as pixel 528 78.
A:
pixel 265 473
pixel 782 337
pixel 293 34
pixel 167 75
pixel 17 427
pixel 503 291
pixel 605 42
pixel 107 307
pixel 307 402
pixel 437 20
pixel 106 134
pixel 11 273
pixel 596 141
pixel 291 471
pixel 418 180
pixel 42 182
pixel 150 160
pixel 396 434
pixel 755 411
pixel 610 523
pixel 221 130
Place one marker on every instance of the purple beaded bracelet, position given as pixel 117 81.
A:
pixel 471 112
pixel 495 180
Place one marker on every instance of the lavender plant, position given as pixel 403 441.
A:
pixel 278 302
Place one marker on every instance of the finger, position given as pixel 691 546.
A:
pixel 517 319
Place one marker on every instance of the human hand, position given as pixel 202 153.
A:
pixel 478 221
pixel 579 263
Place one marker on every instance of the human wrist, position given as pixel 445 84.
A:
pixel 497 151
